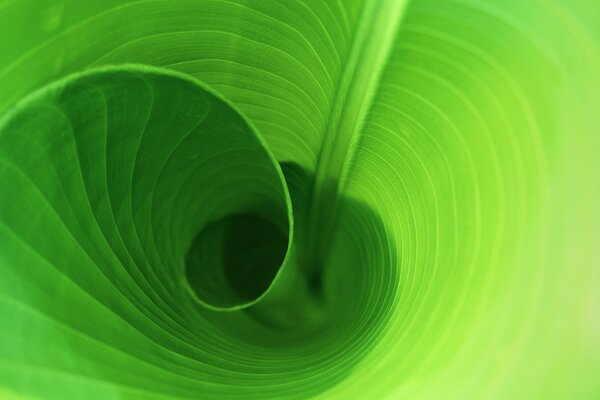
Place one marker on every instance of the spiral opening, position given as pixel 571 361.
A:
pixel 235 259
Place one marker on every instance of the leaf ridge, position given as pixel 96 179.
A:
pixel 357 86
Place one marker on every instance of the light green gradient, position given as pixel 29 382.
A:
pixel 419 183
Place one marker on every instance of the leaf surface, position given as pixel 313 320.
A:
pixel 267 199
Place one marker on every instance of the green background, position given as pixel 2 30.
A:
pixel 289 199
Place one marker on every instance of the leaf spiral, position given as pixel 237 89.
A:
pixel 230 199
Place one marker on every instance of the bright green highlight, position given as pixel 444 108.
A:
pixel 346 199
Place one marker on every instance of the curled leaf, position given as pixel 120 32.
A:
pixel 230 199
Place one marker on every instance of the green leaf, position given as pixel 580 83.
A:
pixel 266 199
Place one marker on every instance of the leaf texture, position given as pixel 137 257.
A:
pixel 230 199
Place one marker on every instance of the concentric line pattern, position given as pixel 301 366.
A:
pixel 459 253
pixel 124 167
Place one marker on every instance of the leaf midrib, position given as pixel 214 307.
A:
pixel 358 84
